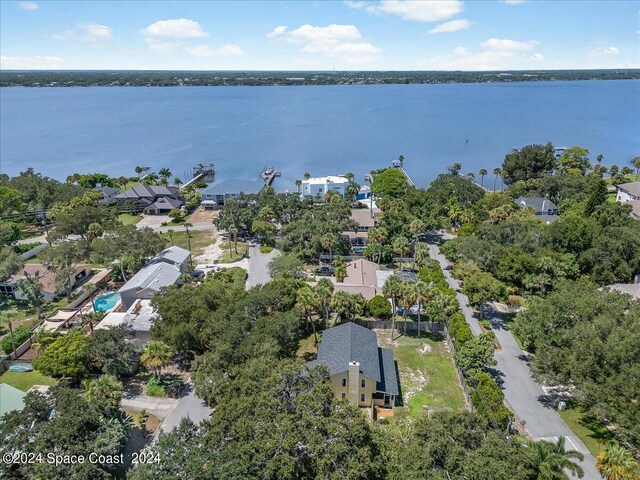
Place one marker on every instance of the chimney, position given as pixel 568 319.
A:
pixel 353 386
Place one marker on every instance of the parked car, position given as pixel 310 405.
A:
pixel 197 274
pixel 324 271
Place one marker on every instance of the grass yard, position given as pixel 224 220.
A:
pixel 307 349
pixel 228 257
pixel 428 379
pixel 25 380
pixel 128 219
pixel 199 240
pixel 586 427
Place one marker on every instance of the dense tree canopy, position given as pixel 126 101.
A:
pixel 531 161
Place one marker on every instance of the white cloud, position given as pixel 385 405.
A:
pixel 495 54
pixel 637 33
pixel 204 50
pixel 604 52
pixel 166 36
pixel 412 10
pixel 341 42
pixel 452 26
pixel 508 45
pixel 87 32
pixel 30 63
pixel 277 31
pixel 513 2
pixel 28 6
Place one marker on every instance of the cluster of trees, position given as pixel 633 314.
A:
pixel 591 338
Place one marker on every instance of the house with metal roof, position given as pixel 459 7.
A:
pixel 148 281
pixel 151 199
pixel 10 398
pixel 214 196
pixel 544 208
pixel 174 255
pixel 361 372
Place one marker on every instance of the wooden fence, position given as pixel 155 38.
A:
pixel 412 327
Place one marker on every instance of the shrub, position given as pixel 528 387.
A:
pixel 379 307
pixel 486 324
pixel 515 301
pixel 265 249
pixel 65 357
pixel 488 398
pixel 459 330
pixel 20 335
pixel 155 388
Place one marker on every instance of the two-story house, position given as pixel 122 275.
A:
pixel 318 187
pixel 361 372
pixel 630 193
pixel 151 199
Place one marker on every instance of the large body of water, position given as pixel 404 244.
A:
pixel 321 130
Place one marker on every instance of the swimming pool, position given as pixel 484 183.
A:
pixel 106 302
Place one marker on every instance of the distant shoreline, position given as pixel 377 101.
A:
pixel 111 78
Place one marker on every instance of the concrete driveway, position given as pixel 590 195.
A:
pixel 152 221
pixel 258 268
pixel 187 406
pixel 157 406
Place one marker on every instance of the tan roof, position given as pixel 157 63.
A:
pixel 62 315
pixel 633 188
pixel 363 217
pixel 367 291
pixel 46 277
pixel 361 272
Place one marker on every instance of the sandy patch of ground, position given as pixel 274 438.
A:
pixel 152 221
pixel 210 253
pixel 426 348
pixel 202 216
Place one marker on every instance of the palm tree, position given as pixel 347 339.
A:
pixel 7 317
pixel 421 254
pixel 342 304
pixel 454 212
pixel 340 272
pixel 327 241
pixel 306 304
pixel 323 292
pixel 155 356
pixel 139 170
pixel 401 160
pixel 94 230
pixel 164 173
pixel 456 168
pixel 482 172
pixel 424 293
pixel 170 232
pixel 417 228
pixel 298 184
pixel 400 247
pixel 552 458
pixel 615 462
pixel 151 179
pixel 408 296
pixel 635 161
pixel 186 228
pixel 104 391
pixel 306 175
pixel 613 170
pixel 377 236
pixel 352 190
pixel 391 289
pixel 496 172
pixel 177 182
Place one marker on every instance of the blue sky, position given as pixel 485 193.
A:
pixel 320 35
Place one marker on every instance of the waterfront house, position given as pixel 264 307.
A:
pixel 51 288
pixel 543 207
pixel 214 196
pixel 108 194
pixel 151 199
pixel 318 187
pixel 178 256
pixel 361 372
pixel 629 193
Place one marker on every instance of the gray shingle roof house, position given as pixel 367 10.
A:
pixel 544 208
pixel 215 195
pixel 163 270
pixel 360 370
pixel 108 194
pixel 147 196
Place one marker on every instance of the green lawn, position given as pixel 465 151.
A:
pixel 25 380
pixel 427 375
pixel 232 256
pixel 586 427
pixel 199 240
pixel 128 219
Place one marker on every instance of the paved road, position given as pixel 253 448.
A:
pixel 157 406
pixel 259 266
pixel 188 406
pixel 525 397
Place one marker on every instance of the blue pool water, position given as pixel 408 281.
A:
pixel 106 302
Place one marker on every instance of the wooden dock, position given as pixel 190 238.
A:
pixel 269 174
